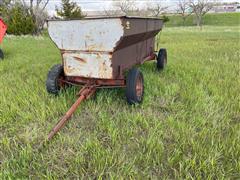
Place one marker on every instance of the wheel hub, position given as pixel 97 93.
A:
pixel 139 87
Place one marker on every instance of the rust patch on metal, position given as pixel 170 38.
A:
pixel 86 51
pixel 97 81
pixel 79 59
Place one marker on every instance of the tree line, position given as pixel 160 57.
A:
pixel 29 16
pixel 155 8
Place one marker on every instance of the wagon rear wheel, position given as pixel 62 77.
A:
pixel 1 55
pixel 162 59
pixel 54 81
pixel 134 86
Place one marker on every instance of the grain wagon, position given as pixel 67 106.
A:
pixel 103 53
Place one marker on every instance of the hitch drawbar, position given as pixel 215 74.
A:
pixel 86 92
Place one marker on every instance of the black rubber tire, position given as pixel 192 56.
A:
pixel 1 55
pixel 52 83
pixel 162 59
pixel 131 83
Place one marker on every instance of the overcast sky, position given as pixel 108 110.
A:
pixel 100 5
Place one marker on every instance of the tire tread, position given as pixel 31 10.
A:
pixel 51 84
pixel 131 86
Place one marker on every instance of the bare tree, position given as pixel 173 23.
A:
pixel 40 5
pixel 184 9
pixel 126 7
pixel 200 8
pixel 4 7
pixel 110 12
pixel 37 9
pixel 156 9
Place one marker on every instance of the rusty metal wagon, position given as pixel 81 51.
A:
pixel 102 53
pixel 3 29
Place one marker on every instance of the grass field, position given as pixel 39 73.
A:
pixel 220 19
pixel 187 127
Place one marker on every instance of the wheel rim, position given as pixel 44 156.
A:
pixel 165 61
pixel 139 87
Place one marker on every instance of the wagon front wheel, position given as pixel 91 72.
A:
pixel 134 86
pixel 1 55
pixel 162 59
pixel 54 81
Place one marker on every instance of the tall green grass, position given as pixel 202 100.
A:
pixel 186 128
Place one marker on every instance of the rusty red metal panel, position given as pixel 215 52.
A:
pixel 3 29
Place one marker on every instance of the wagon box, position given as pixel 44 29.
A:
pixel 103 47
pixel 97 53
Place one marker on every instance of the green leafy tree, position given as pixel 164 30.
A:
pixel 70 10
pixel 37 10
pixel 20 22
pixel 17 18
pixel 165 18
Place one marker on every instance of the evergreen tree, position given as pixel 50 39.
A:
pixel 70 10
